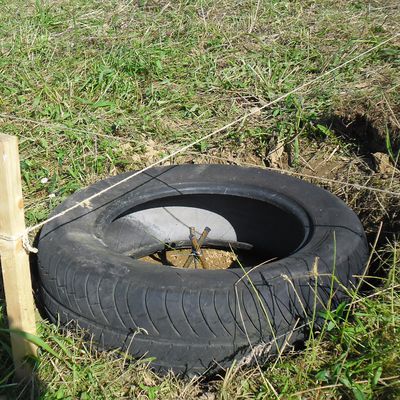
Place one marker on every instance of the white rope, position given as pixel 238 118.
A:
pixel 188 146
pixel 24 237
pixel 334 181
pixel 10 238
pixel 303 175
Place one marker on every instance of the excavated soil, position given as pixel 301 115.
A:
pixel 215 258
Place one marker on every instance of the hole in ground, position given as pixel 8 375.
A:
pixel 366 138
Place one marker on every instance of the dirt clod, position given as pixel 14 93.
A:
pixel 382 163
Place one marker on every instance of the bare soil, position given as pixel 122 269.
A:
pixel 215 258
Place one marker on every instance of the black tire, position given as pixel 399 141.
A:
pixel 193 321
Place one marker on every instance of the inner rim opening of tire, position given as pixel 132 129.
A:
pixel 245 230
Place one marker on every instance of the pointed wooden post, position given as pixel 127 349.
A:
pixel 13 257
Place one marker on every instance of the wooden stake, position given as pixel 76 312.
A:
pixel 14 259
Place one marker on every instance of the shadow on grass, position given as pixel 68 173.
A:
pixel 362 133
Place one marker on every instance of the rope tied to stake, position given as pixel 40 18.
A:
pixel 24 237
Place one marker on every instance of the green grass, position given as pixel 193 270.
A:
pixel 356 355
pixel 94 88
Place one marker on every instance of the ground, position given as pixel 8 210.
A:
pixel 94 88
